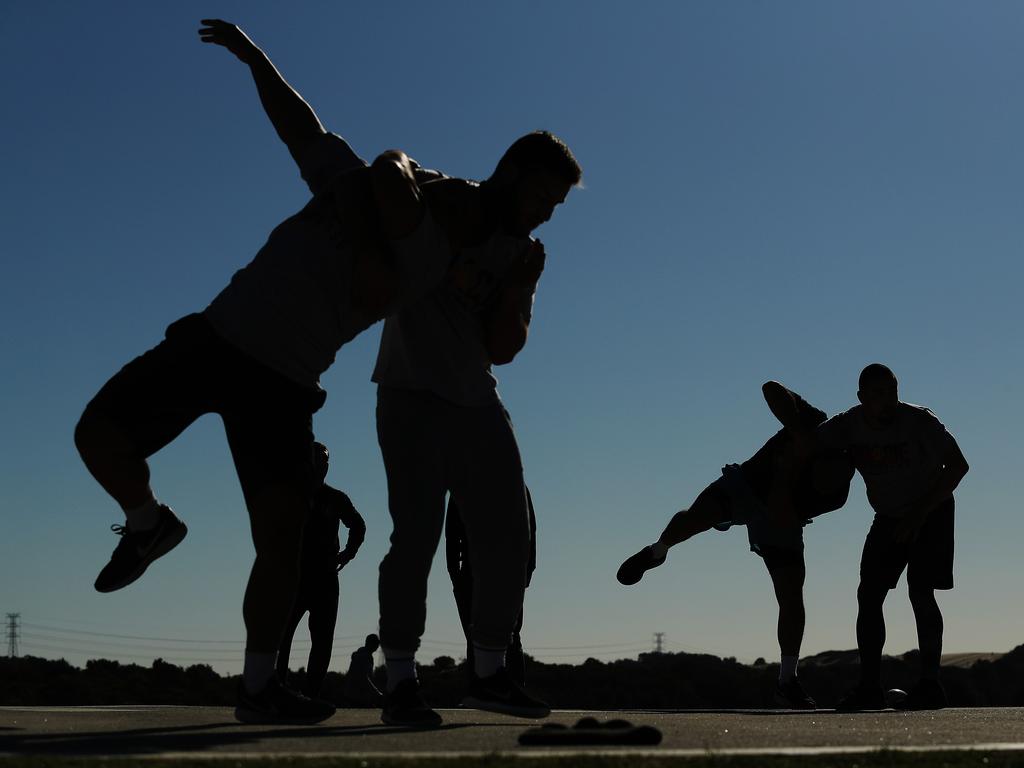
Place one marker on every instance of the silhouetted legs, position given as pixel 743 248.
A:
pixel 708 509
pixel 268 423
pixel 788 574
pixel 870 632
pixel 113 460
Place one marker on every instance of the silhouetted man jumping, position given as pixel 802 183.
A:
pixel 774 500
pixel 369 240
pixel 322 561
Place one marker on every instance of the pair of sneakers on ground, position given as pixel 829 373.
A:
pixel 498 693
pixel 136 550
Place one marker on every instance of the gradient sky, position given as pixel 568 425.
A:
pixel 773 190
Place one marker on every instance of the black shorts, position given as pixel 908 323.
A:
pixel 928 559
pixel 193 371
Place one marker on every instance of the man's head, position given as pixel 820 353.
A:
pixel 878 393
pixel 321 460
pixel 533 176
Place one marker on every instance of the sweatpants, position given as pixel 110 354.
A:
pixel 432 447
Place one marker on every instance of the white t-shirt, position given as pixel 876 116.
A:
pixel 291 307
pixel 900 462
pixel 438 343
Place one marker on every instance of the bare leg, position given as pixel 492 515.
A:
pixel 276 514
pixel 929 630
pixel 707 510
pixel 870 632
pixel 113 460
pixel 788 581
pixel 285 651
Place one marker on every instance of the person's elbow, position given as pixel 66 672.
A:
pixel 396 193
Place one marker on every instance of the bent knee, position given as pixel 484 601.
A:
pixel 96 433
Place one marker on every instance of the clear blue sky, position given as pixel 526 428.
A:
pixel 773 190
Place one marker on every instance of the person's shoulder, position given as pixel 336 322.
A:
pixel 457 205
pixel 919 413
pixel 848 416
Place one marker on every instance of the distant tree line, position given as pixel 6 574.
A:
pixel 653 681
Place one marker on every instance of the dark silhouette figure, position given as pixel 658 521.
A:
pixel 911 465
pixel 437 403
pixel 774 502
pixel 322 561
pixel 461 572
pixel 358 688
pixel 360 249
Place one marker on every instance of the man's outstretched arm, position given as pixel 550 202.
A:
pixel 293 119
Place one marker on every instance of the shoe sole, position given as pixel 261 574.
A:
pixel 155 554
pixel 499 708
pixel 256 717
pixel 785 704
pixel 418 724
pixel 627 578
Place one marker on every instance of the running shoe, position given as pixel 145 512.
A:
pixel 137 549
pixel 278 704
pixel 501 694
pixel 633 569
pixel 863 698
pixel 791 695
pixel 405 706
pixel 927 694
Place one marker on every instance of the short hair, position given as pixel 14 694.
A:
pixel 545 149
pixel 875 372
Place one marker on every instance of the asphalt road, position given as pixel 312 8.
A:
pixel 136 730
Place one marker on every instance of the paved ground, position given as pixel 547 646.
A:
pixel 213 731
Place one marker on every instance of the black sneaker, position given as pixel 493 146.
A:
pixel 633 569
pixel 137 549
pixel 792 695
pixel 927 694
pixel 277 704
pixel 405 706
pixel 499 693
pixel 862 699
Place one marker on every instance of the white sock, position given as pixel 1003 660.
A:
pixel 487 661
pixel 258 669
pixel 143 517
pixel 401 665
pixel 659 550
pixel 787 669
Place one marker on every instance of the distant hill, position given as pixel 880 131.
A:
pixel 652 681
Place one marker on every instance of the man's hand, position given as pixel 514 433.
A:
pixel 231 37
pixel 529 270
pixel 344 558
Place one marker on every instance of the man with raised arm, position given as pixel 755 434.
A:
pixel 362 245
pixel 774 501
pixel 440 423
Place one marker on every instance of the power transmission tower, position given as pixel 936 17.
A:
pixel 659 638
pixel 12 634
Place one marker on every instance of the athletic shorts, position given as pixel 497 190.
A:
pixel 267 417
pixel 745 508
pixel 928 559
